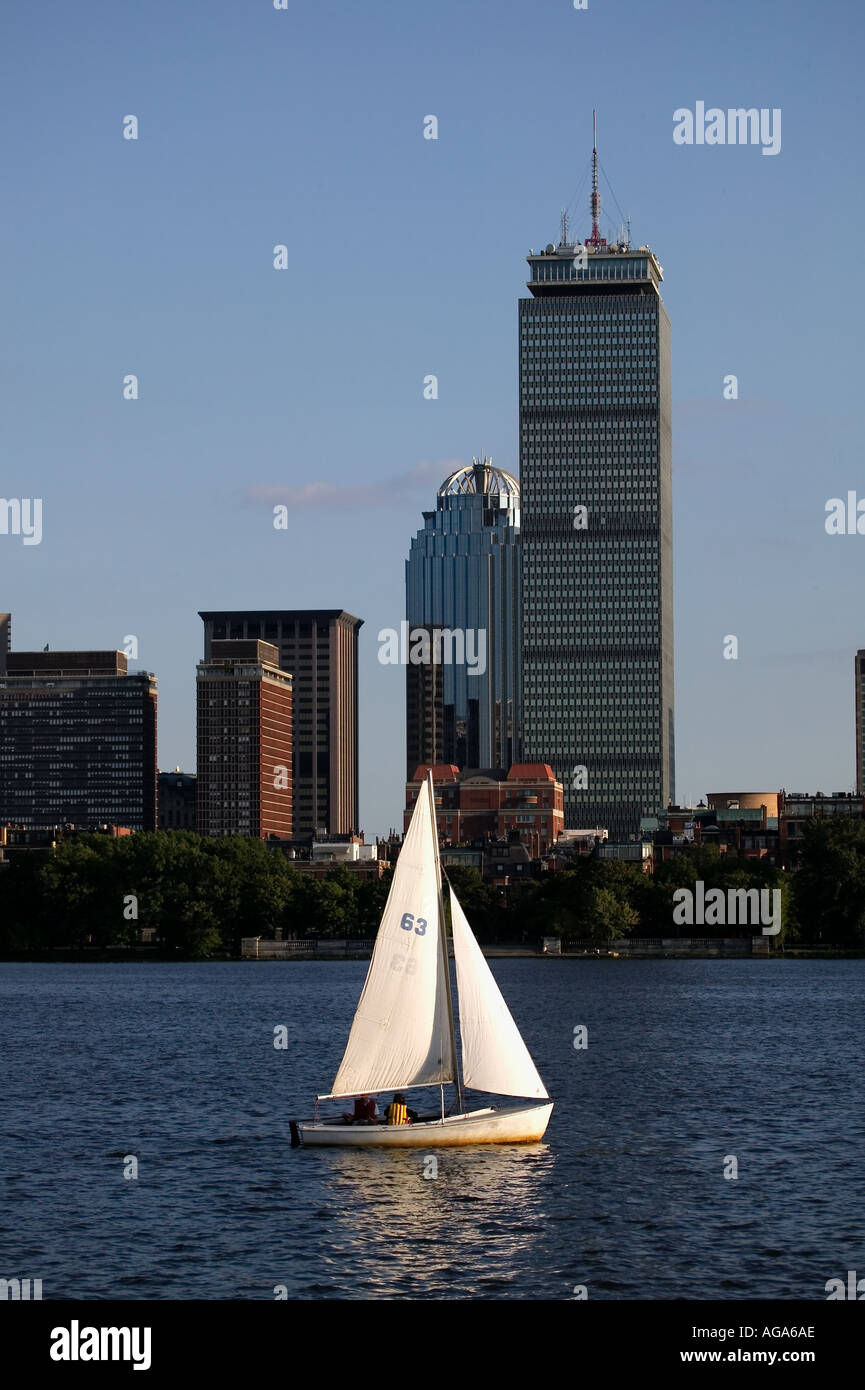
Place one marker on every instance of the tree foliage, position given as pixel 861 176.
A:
pixel 201 896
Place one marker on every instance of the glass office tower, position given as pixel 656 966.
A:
pixel 597 558
pixel 463 574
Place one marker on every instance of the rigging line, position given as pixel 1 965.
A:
pixel 612 190
pixel 579 191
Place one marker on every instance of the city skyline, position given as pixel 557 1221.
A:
pixel 432 540
pixel 249 397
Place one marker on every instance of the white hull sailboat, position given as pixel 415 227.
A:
pixel 403 1033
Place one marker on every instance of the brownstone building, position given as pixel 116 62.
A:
pixel 244 741
pixel 744 823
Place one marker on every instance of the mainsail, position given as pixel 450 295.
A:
pixel 401 1032
pixel 494 1056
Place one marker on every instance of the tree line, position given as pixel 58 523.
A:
pixel 201 896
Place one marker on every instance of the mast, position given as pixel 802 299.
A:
pixel 444 942
pixel 595 238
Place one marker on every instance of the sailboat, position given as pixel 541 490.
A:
pixel 403 1033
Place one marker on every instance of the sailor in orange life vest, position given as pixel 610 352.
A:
pixel 365 1111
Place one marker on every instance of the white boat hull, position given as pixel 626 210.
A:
pixel 515 1125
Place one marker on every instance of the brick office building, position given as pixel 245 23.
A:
pixel 244 742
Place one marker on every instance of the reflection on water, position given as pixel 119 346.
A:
pixel 404 1235
pixel 687 1062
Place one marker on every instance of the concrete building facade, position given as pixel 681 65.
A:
pixel 77 741
pixel 596 530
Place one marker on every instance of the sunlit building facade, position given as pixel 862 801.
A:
pixel 463 575
pixel 596 534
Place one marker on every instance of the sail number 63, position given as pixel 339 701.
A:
pixel 408 922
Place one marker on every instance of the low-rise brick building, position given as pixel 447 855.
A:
pixel 524 804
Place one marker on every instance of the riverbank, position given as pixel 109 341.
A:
pixel 335 951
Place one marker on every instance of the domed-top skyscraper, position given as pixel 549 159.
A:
pixel 463 577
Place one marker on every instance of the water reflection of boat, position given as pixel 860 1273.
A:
pixel 403 1033
pixel 482 1229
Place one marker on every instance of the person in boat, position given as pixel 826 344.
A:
pixel 365 1111
pixel 397 1111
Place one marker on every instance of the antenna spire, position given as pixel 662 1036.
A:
pixel 595 239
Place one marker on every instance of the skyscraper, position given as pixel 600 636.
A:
pixel 596 495
pixel 318 647
pixel 463 575
pixel 244 742
pixel 77 741
pixel 5 639
pixel 860 722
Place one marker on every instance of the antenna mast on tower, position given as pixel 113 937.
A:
pixel 595 239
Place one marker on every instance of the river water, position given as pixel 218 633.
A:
pixel 689 1065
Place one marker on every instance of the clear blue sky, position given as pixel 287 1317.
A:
pixel 304 127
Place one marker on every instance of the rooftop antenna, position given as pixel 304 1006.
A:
pixel 595 238
pixel 564 237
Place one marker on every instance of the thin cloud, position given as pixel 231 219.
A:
pixel 373 494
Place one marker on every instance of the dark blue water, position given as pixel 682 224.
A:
pixel 688 1062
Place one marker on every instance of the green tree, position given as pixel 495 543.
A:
pixel 609 915
pixel 829 886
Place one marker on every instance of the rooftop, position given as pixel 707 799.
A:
pixel 480 478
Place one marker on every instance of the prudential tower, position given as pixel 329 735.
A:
pixel 596 527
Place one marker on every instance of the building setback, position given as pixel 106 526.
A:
pixel 77 741
pixel 244 742
pixel 319 648
pixel 462 575
pixel 597 597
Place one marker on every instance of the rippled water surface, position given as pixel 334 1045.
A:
pixel 688 1062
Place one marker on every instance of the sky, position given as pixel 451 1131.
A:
pixel 304 127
